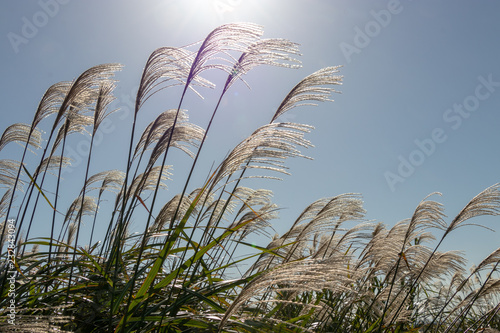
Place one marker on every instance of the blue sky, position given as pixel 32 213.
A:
pixel 418 113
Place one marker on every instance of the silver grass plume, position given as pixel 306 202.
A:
pixel 322 217
pixel 8 173
pixel 159 131
pixel 228 37
pixel 113 180
pixel 52 163
pixel 441 264
pixel 327 219
pixel 104 99
pixel 342 244
pixel 76 208
pixel 79 99
pixel 310 89
pixel 21 133
pixel 213 209
pixel 71 234
pixel 252 198
pixel 110 180
pixel 428 214
pixel 305 92
pixel 266 260
pixel 341 208
pixel 458 281
pixel 266 148
pixel 259 220
pixel 168 210
pixel 147 182
pixel 257 210
pixel 51 101
pixel 4 203
pixel 182 137
pixel 167 66
pixel 157 128
pixel 162 66
pixel 295 277
pixel 206 197
pixel 257 207
pixel 310 211
pixel 273 52
pixel 379 231
pixel 482 298
pixel 75 123
pixel 102 89
pixel 383 251
pixel 485 203
pixel 85 89
pixel 493 258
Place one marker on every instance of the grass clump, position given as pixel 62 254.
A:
pixel 182 272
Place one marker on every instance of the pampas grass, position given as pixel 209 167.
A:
pixel 183 272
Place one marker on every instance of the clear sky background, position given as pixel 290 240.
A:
pixel 419 110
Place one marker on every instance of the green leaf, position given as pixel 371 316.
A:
pixel 98 267
pixel 38 188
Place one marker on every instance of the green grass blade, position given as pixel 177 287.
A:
pixel 38 188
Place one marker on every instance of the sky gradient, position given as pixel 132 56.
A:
pixel 419 110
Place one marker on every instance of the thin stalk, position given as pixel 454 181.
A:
pixel 116 248
pixel 95 218
pixel 57 193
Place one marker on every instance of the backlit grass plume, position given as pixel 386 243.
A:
pixel 207 259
